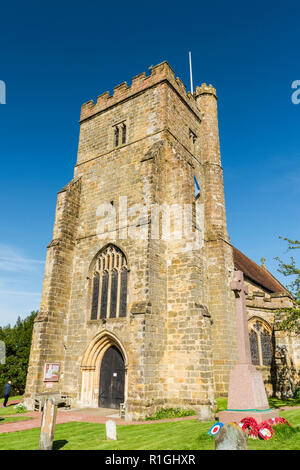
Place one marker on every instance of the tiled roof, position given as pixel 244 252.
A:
pixel 256 273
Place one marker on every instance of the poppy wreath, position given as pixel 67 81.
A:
pixel 265 431
pixel 254 431
pixel 248 423
pixel 275 421
pixel 281 421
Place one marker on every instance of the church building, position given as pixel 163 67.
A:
pixel 137 311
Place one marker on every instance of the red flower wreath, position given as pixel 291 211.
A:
pixel 250 426
pixel 254 432
pixel 281 421
pixel 248 423
pixel 265 431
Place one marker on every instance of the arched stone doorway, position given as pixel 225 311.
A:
pixel 112 379
pixel 105 356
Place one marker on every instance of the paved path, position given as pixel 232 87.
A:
pixel 72 416
pixel 89 415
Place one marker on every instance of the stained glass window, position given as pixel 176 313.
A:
pixel 113 293
pixel 260 344
pixel 266 349
pixel 95 296
pixel 123 296
pixel 109 284
pixel 254 348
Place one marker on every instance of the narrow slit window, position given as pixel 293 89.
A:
pixel 124 134
pixel 192 140
pixel 117 136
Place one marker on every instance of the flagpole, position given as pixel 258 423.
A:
pixel 191 73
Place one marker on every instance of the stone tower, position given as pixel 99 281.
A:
pixel 136 306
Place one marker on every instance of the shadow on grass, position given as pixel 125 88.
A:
pixel 59 444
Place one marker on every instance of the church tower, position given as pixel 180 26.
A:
pixel 137 309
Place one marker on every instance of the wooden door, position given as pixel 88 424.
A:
pixel 112 379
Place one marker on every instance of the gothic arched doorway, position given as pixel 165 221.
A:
pixel 91 367
pixel 112 379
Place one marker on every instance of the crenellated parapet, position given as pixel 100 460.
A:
pixel 274 301
pixel 205 89
pixel 159 73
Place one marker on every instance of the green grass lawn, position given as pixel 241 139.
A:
pixel 273 402
pixel 17 397
pixel 12 419
pixel 180 435
pixel 9 410
pixel 277 403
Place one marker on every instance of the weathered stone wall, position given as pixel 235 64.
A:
pixel 178 338
pixel 285 364
pixel 50 324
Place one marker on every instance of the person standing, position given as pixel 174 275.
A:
pixel 7 389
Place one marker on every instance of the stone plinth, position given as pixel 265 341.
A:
pixel 229 416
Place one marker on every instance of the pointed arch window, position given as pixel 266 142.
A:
pixel 116 136
pixel 120 134
pixel 109 284
pixel 260 343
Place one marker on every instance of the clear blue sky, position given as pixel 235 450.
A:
pixel 55 56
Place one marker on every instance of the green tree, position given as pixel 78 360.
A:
pixel 289 318
pixel 17 340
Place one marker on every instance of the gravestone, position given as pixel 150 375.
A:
pixel 231 437
pixel 204 413
pixel 48 425
pixel 246 395
pixel 111 430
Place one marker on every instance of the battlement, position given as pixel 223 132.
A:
pixel 159 73
pixel 205 89
pixel 272 301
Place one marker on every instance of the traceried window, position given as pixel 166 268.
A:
pixel 260 343
pixel 109 284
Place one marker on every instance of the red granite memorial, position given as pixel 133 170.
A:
pixel 246 395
